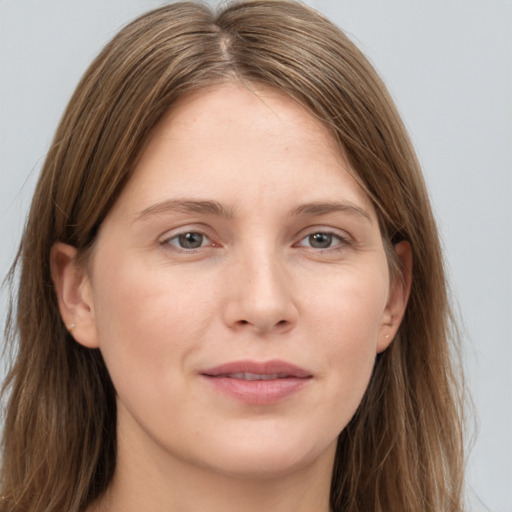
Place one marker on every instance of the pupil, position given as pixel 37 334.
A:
pixel 320 240
pixel 191 240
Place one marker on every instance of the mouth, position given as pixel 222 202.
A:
pixel 254 370
pixel 253 376
pixel 257 383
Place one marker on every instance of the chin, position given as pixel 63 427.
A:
pixel 263 459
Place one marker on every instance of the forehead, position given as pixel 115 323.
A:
pixel 239 142
pixel 233 112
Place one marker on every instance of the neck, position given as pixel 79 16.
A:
pixel 145 481
pixel 217 494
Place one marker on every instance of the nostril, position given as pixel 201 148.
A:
pixel 278 324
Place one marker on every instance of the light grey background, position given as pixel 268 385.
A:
pixel 448 64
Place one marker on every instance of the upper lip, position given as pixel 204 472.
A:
pixel 281 369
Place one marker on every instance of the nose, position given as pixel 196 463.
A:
pixel 259 295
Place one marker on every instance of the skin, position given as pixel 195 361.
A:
pixel 259 286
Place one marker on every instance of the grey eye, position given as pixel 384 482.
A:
pixel 320 240
pixel 190 240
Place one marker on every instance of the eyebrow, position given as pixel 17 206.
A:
pixel 210 207
pixel 314 209
pixel 186 206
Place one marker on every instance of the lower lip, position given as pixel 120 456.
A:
pixel 258 392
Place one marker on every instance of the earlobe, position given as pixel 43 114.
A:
pixel 74 294
pixel 400 289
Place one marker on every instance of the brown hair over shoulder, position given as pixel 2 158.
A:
pixel 402 450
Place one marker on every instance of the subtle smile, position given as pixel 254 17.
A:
pixel 254 376
pixel 257 383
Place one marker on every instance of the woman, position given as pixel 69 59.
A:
pixel 232 295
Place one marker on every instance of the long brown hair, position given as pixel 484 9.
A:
pixel 402 451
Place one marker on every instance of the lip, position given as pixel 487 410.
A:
pixel 279 380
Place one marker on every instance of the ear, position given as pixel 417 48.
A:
pixel 74 294
pixel 399 291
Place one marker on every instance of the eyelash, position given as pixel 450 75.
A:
pixel 169 241
pixel 205 241
pixel 342 241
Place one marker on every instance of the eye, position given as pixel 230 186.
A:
pixel 189 241
pixel 322 240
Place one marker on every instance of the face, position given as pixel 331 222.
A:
pixel 239 289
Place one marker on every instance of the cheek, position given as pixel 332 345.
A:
pixel 347 319
pixel 349 307
pixel 147 324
